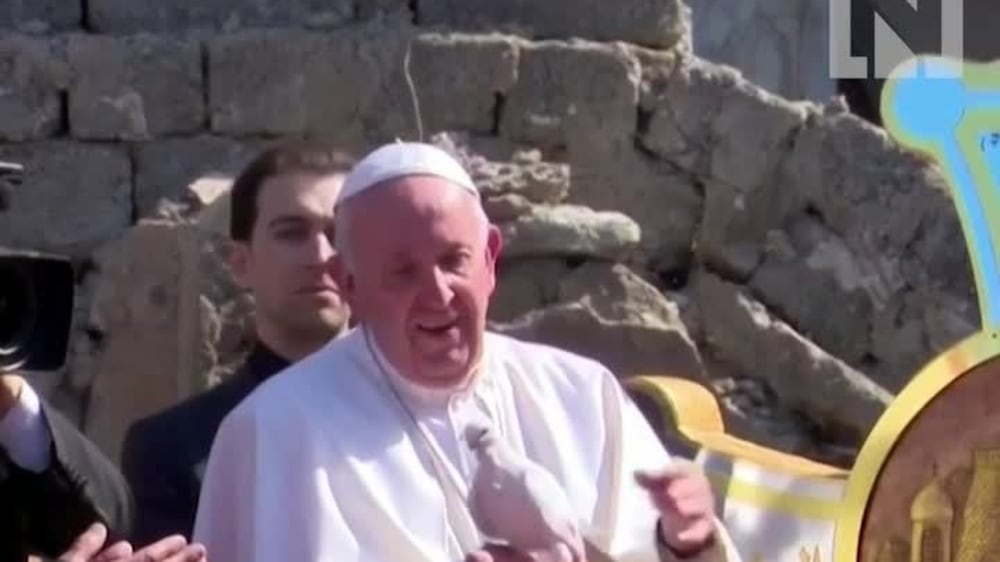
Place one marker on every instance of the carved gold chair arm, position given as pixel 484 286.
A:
pixel 691 410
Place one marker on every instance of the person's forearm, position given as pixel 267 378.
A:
pixel 24 435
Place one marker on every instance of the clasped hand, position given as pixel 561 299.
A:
pixel 89 547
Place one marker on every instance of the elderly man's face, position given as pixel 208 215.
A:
pixel 423 272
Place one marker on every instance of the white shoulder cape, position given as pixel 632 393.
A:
pixel 316 464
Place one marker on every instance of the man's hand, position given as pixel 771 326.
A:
pixel 683 496
pixel 10 392
pixel 495 553
pixel 87 548
pixel 498 554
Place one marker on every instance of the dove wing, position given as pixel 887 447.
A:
pixel 479 508
pixel 553 504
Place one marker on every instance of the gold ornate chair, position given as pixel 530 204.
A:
pixel 778 506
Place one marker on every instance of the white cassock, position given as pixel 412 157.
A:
pixel 340 459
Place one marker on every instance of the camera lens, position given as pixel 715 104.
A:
pixel 16 311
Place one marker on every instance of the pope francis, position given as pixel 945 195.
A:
pixel 357 453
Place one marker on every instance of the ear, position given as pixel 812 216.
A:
pixel 494 245
pixel 344 278
pixel 239 262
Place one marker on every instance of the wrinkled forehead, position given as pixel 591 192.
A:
pixel 415 214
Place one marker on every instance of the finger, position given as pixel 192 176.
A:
pixel 86 545
pixel 656 478
pixel 190 553
pixel 687 505
pixel 697 532
pixel 119 551
pixel 501 553
pixel 479 556
pixel 161 550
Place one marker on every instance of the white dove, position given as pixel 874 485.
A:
pixel 518 502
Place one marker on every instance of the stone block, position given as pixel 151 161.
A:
pixel 135 16
pixel 742 332
pixel 154 347
pixel 801 285
pixel 682 108
pixel 607 312
pixel 458 79
pixel 781 45
pixel 40 16
pixel 367 9
pixel 577 90
pixel 74 196
pixel 34 72
pixel 283 82
pixel 656 23
pixel 525 284
pixel 134 88
pixel 664 202
pixel 164 169
pixel 570 230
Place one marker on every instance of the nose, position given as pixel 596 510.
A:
pixel 436 290
pixel 320 249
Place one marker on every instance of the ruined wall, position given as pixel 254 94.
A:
pixel 780 45
pixel 663 213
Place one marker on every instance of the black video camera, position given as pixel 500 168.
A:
pixel 36 299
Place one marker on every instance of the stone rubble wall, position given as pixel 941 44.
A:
pixel 662 213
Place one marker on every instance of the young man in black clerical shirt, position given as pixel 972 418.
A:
pixel 281 226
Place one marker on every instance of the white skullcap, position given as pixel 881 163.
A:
pixel 404 159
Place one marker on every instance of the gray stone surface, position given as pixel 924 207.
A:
pixel 742 332
pixel 664 202
pixel 134 88
pixel 40 16
pixel 35 73
pixel 682 107
pixel 526 284
pixel 164 169
pixel 781 45
pixel 285 82
pixel 570 230
pixel 659 23
pixel 458 79
pixel 170 319
pixel 134 16
pixel 607 312
pixel 74 197
pixel 577 89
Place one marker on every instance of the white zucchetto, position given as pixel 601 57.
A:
pixel 401 159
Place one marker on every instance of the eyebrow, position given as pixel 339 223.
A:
pixel 286 220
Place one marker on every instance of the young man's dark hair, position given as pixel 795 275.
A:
pixel 297 157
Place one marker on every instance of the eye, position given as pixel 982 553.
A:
pixel 403 271
pixel 457 262
pixel 292 233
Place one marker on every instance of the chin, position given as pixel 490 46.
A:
pixel 444 372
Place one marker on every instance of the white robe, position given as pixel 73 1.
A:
pixel 322 463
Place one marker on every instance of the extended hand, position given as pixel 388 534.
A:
pixel 87 548
pixel 683 496
pixel 10 392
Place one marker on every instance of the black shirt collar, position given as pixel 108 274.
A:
pixel 263 362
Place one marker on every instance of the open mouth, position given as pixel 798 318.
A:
pixel 437 328
pixel 316 289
